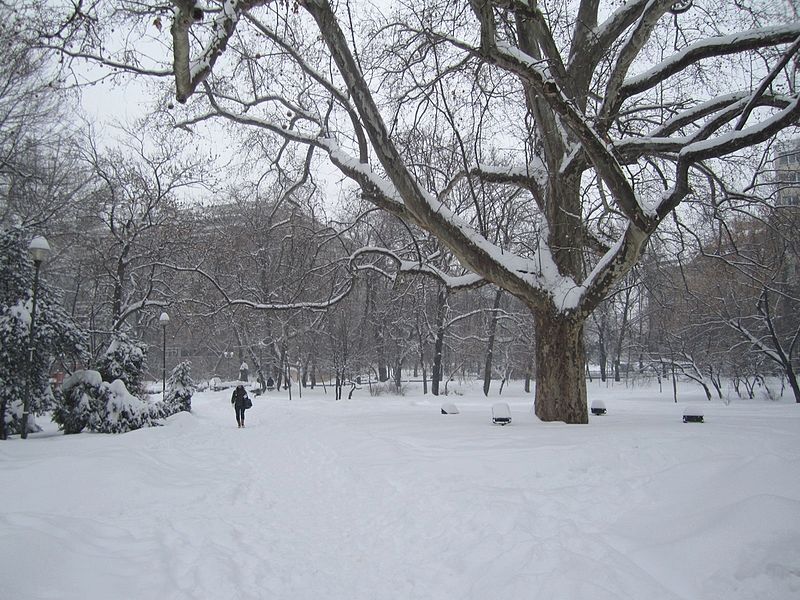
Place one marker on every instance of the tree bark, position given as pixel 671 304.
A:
pixel 626 307
pixel 383 367
pixel 436 375
pixel 560 365
pixel 601 341
pixel 790 375
pixel 487 369
pixel 530 369
pixel 279 376
pixel 3 408
pixel 398 372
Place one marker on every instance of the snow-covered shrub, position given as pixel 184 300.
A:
pixel 124 411
pixel 180 389
pixel 55 334
pixel 387 388
pixel 88 402
pixel 81 395
pixel 124 359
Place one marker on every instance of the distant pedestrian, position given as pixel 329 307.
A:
pixel 244 371
pixel 241 402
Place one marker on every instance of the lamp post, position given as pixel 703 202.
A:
pixel 164 319
pixel 38 249
pixel 228 356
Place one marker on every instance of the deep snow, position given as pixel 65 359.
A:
pixel 385 497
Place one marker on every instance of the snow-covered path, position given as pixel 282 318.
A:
pixel 380 498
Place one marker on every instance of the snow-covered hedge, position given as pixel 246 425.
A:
pixel 88 402
pixel 181 387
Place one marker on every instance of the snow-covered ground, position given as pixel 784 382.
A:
pixel 383 497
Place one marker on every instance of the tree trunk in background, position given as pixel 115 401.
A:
pixel 436 375
pixel 305 371
pixel 3 408
pixel 383 369
pixel 560 365
pixel 622 331
pixel 421 343
pixel 794 385
pixel 398 372
pixel 487 369
pixel 279 376
pixel 530 367
pixel 603 355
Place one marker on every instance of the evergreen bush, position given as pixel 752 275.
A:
pixel 124 360
pixel 55 334
pixel 181 387
pixel 88 402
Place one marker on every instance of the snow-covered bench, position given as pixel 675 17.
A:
pixel 693 414
pixel 598 407
pixel 501 413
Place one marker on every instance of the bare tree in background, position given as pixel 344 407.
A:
pixel 602 115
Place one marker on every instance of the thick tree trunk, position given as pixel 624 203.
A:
pixel 560 365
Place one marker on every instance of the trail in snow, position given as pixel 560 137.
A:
pixel 384 498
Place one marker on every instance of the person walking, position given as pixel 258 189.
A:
pixel 241 402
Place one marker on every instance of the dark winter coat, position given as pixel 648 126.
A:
pixel 239 398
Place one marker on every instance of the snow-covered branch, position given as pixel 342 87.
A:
pixel 336 295
pixel 709 48
pixel 191 73
pixel 453 283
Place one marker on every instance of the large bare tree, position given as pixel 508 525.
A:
pixel 600 114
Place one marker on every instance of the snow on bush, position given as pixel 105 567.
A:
pixel 24 373
pixel 79 398
pixel 181 387
pixel 124 359
pixel 88 402
pixel 125 412
pixel 388 388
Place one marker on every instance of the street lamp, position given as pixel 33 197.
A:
pixel 164 319
pixel 38 249
pixel 227 355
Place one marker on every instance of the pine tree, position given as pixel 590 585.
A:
pixel 124 360
pixel 23 372
pixel 181 387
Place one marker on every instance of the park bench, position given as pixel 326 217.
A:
pixel 598 407
pixel 501 413
pixel 693 414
